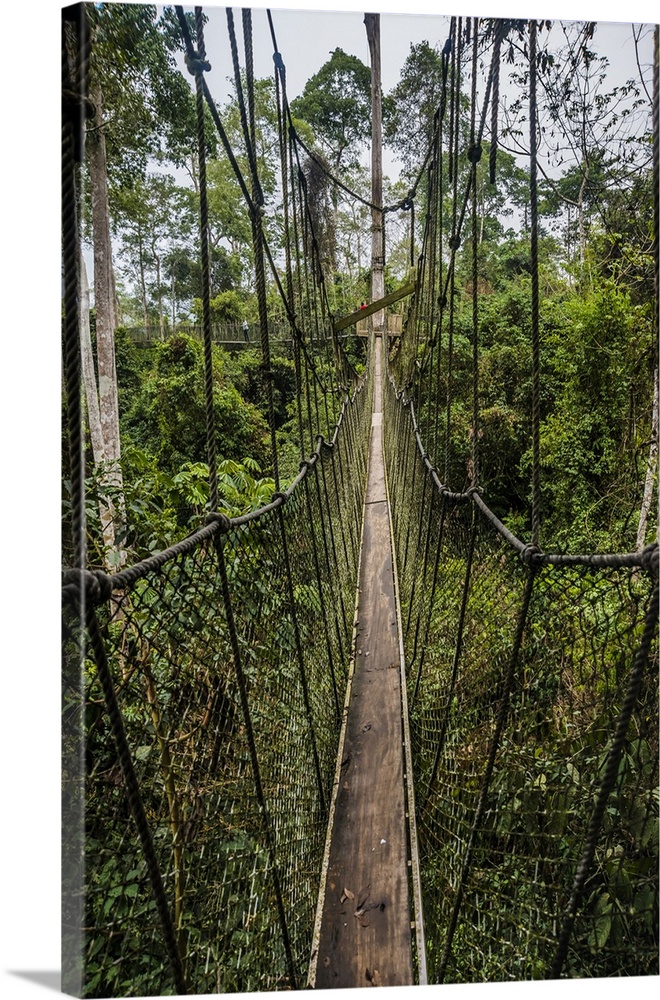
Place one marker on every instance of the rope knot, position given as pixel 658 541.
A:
pixel 195 64
pixel 650 558
pixel 96 584
pixel 278 495
pixel 530 553
pixel 474 153
pixel 217 517
pixel 454 242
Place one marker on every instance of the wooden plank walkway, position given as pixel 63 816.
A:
pixel 365 931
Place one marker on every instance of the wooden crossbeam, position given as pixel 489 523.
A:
pixel 373 307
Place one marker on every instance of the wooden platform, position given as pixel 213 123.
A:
pixel 365 931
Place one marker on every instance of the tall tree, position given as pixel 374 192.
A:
pixel 336 102
pixel 143 107
pixel 408 109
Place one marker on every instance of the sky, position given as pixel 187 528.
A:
pixel 30 427
pixel 306 39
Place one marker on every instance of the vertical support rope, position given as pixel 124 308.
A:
pixel 319 584
pixel 492 163
pixel 534 237
pixel 301 660
pixel 656 176
pixel 458 649
pixel 453 242
pixel 474 155
pixel 254 757
pixel 429 613
pixel 211 448
pixel 255 205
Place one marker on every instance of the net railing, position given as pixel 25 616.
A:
pixel 223 662
pixel 533 696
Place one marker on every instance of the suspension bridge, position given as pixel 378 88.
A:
pixel 364 735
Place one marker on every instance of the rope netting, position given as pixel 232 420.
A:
pixel 532 675
pixel 228 669
pixel 204 685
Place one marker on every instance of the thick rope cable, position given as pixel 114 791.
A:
pixel 340 364
pixel 247 127
pixel 254 760
pixel 474 155
pixel 191 57
pixel 284 179
pixel 656 173
pixel 495 100
pixel 211 447
pixel 534 242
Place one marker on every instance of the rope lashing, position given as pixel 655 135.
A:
pixel 95 584
pixel 530 554
pixel 219 518
pixel 195 64
pixel 649 559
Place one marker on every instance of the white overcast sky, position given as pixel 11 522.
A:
pixel 30 422
pixel 306 38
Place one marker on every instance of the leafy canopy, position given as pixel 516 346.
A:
pixel 336 102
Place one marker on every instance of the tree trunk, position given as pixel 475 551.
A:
pixel 106 511
pixel 143 286
pixel 651 467
pixel 88 370
pixel 372 23
pixel 104 301
pixel 161 323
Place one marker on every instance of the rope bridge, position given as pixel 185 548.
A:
pixel 204 687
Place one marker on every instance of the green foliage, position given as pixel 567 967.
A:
pixel 599 365
pixel 245 369
pixel 225 307
pixel 167 416
pixel 409 109
pixel 336 103
pixel 148 105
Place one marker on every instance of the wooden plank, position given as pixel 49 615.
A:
pixel 373 307
pixel 365 923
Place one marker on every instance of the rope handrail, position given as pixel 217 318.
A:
pixel 646 559
pixel 100 585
